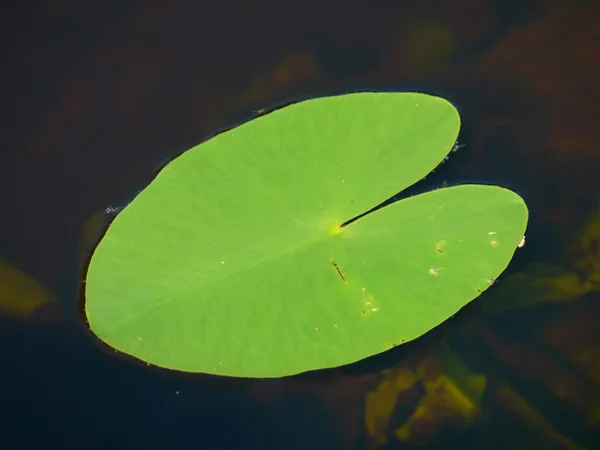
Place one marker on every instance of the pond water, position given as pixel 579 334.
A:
pixel 100 97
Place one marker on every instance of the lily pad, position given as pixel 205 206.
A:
pixel 237 260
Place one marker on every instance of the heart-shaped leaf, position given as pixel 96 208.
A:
pixel 235 260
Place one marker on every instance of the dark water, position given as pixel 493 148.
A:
pixel 97 98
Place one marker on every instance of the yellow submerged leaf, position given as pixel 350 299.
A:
pixel 544 283
pixel 20 294
pixel 380 403
pixel 586 250
pixel 448 402
pixel 508 399
pixel 451 402
pixel 539 283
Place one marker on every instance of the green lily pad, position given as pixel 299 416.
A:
pixel 236 261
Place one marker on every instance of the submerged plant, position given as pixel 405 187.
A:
pixel 258 252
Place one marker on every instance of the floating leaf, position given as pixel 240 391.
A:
pixel 238 259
